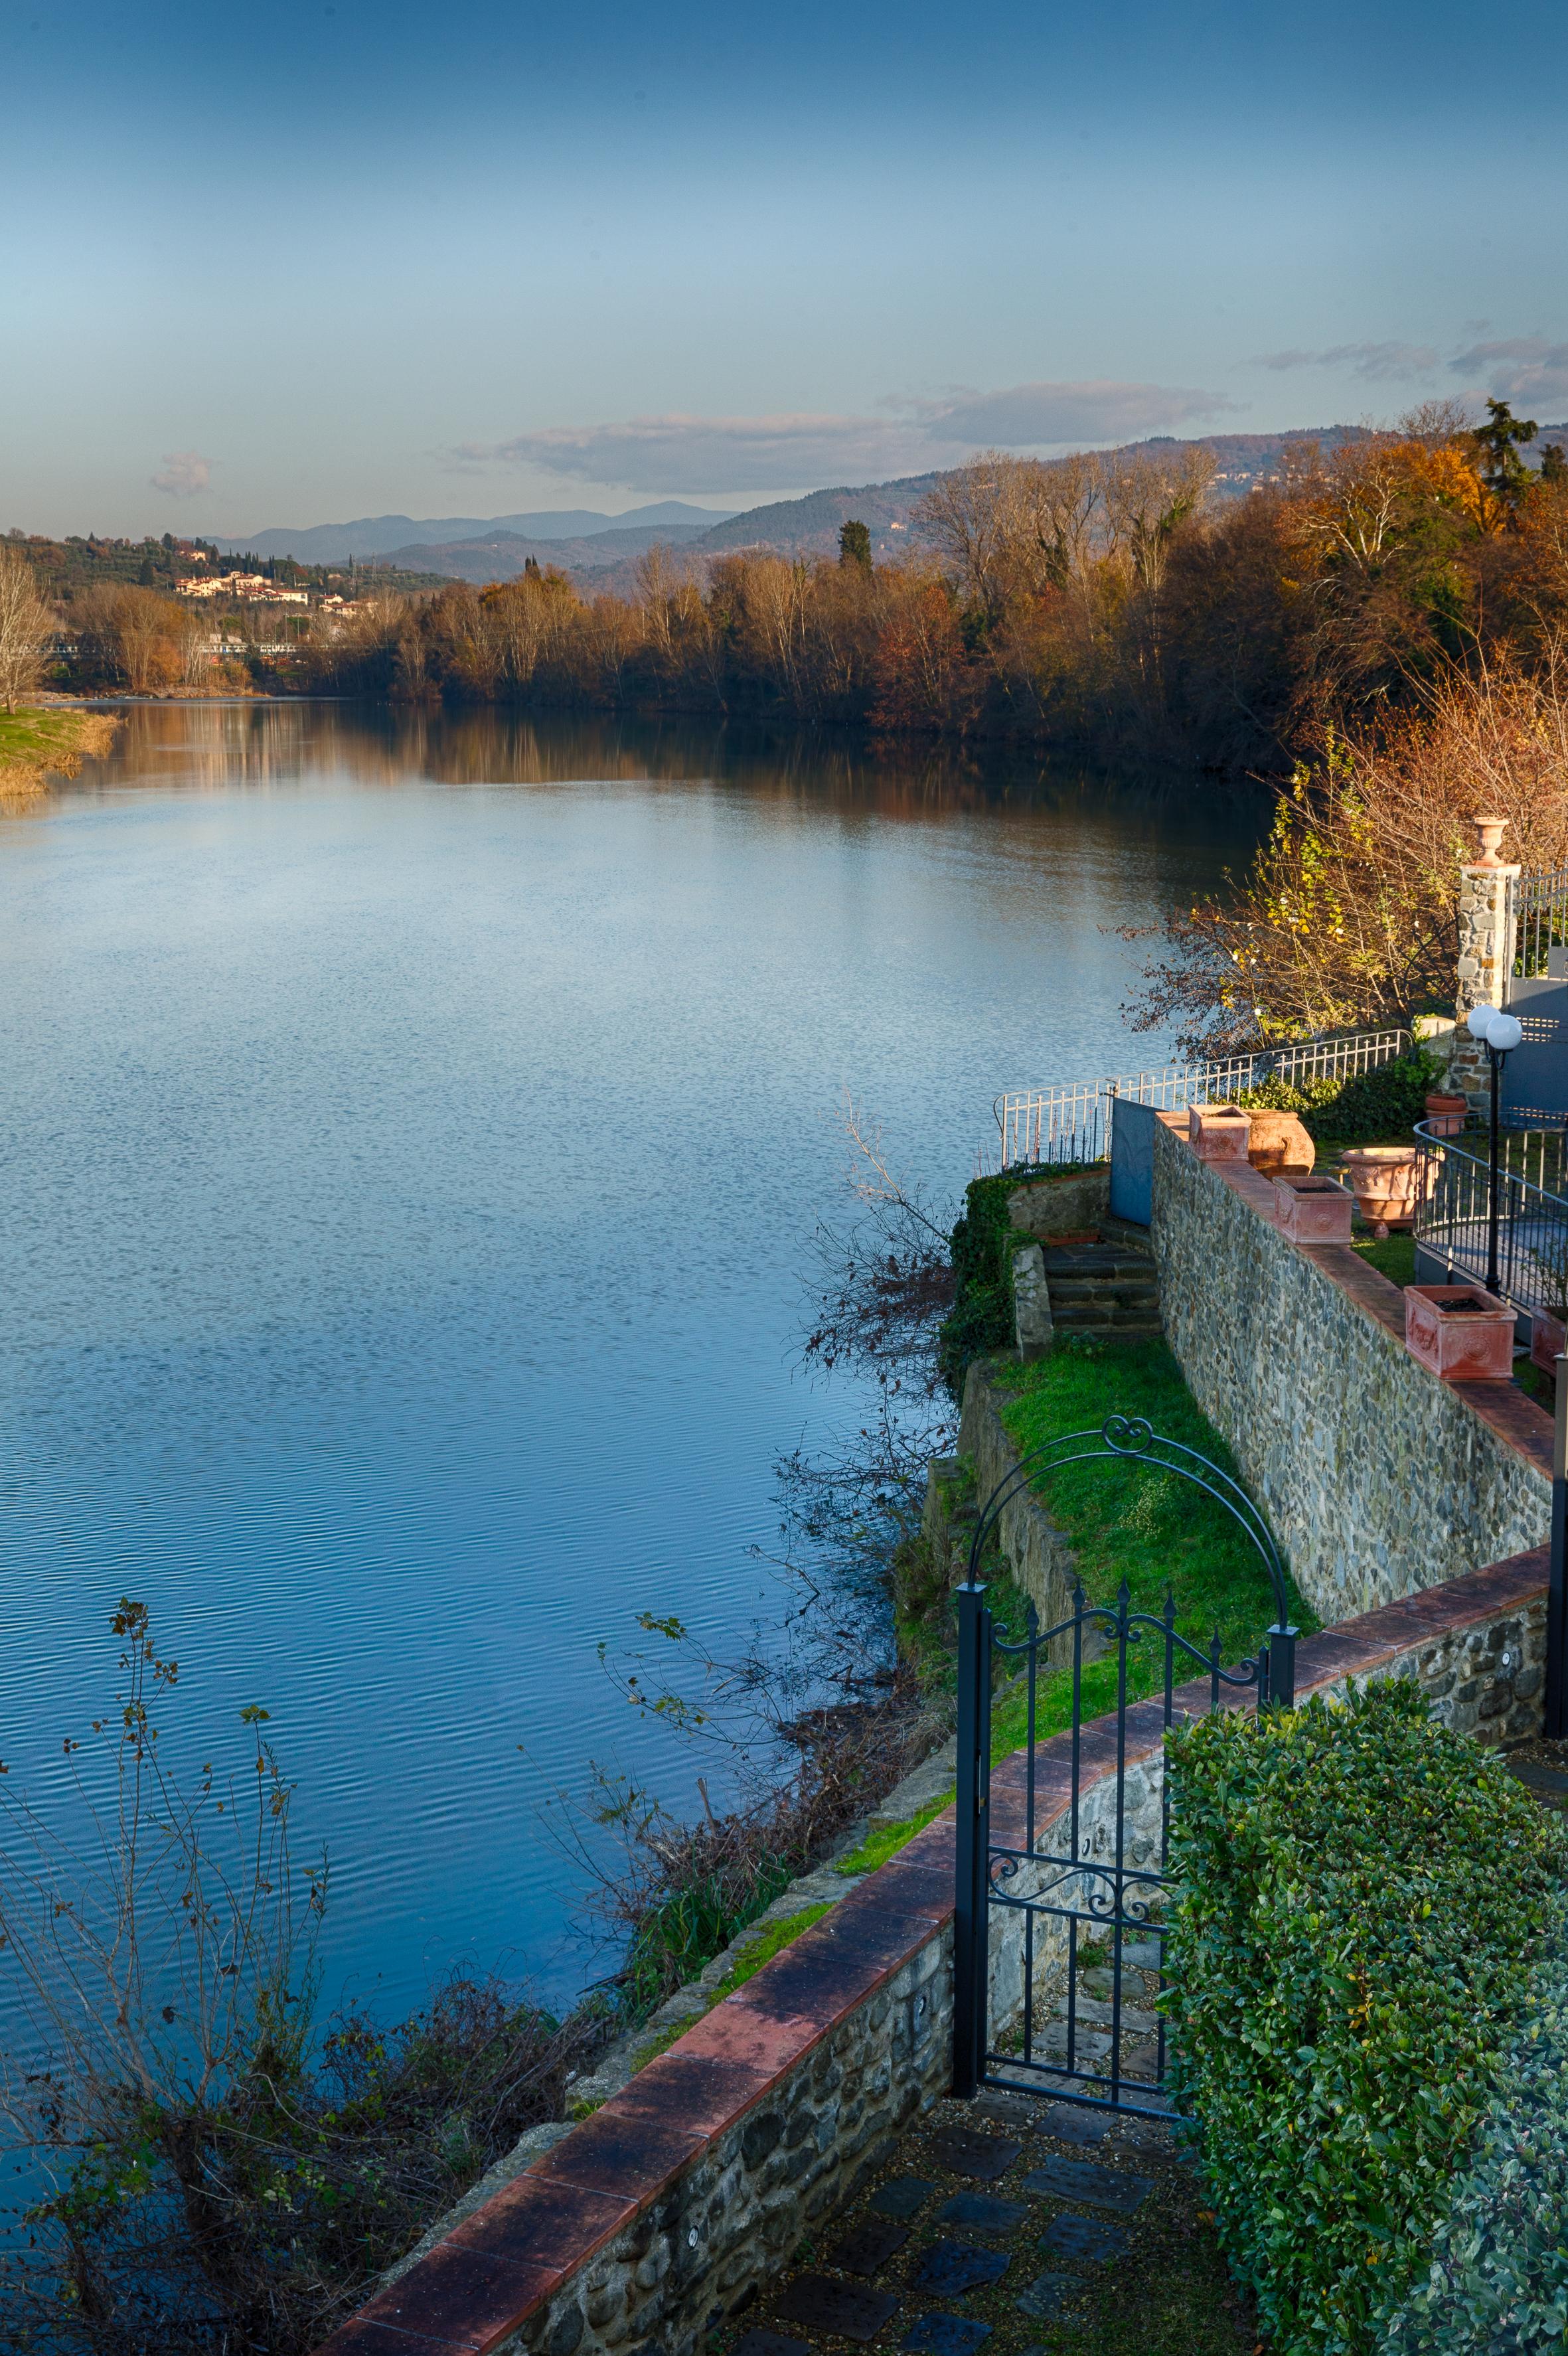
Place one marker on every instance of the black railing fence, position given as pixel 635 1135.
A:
pixel 1454 1210
pixel 1538 918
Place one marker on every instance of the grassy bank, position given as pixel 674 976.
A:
pixel 1133 1522
pixel 39 743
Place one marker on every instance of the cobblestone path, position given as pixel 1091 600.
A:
pixel 1018 2227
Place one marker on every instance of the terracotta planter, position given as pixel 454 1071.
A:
pixel 1218 1132
pixel 1384 1179
pixel 1278 1145
pixel 1445 1115
pixel 1313 1210
pixel 1459 1333
pixel 1548 1340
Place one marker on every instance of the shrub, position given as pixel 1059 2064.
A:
pixel 1498 2273
pixel 980 1318
pixel 1360 1894
pixel 1385 1103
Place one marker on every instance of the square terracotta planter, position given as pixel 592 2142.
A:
pixel 1220 1133
pixel 1313 1210
pixel 1548 1340
pixel 1459 1333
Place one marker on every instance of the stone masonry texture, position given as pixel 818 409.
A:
pixel 654 2220
pixel 1378 1478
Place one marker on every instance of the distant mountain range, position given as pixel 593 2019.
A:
pixel 600 551
pixel 334 543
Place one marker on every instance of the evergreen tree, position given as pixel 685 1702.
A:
pixel 1554 464
pixel 854 545
pixel 1503 471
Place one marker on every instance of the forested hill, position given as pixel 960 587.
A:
pixel 810 526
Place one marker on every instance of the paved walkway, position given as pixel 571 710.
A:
pixel 1018 2227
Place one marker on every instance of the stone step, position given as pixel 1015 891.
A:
pixel 1105 1317
pixel 1096 1262
pixel 1064 1296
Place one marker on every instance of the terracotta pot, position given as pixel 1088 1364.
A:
pixel 1385 1179
pixel 1313 1210
pixel 1218 1132
pixel 1547 1341
pixel 1445 1115
pixel 1459 1333
pixel 1278 1145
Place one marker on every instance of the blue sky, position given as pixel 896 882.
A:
pixel 292 264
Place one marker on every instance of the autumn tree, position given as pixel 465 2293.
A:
pixel 26 625
pixel 1347 919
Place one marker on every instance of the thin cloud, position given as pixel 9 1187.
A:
pixel 1376 361
pixel 1524 369
pixel 1032 416
pixel 186 473
pixel 683 454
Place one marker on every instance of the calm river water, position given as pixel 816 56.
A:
pixel 412 1132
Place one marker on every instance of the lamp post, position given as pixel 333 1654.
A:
pixel 1499 1033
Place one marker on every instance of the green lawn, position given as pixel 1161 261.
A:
pixel 1132 1522
pixel 1394 1257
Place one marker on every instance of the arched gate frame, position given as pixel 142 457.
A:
pixel 1088 1885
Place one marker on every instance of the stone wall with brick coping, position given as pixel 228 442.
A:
pixel 647 2223
pixel 1376 1477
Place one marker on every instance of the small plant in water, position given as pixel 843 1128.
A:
pixel 210 2174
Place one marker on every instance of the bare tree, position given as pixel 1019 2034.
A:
pixel 1147 500
pixel 26 625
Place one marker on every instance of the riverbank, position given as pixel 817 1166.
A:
pixel 40 742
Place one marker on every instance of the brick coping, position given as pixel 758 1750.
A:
pixel 503 2263
pixel 1502 1407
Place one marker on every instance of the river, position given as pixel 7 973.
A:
pixel 412 1130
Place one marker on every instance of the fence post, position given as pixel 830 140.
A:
pixel 970 1963
pixel 1484 976
pixel 1281 1665
pixel 1556 1709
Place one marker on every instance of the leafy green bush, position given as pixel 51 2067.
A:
pixel 1498 2274
pixel 1385 1103
pixel 1360 1896
pixel 980 1318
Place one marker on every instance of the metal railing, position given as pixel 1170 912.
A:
pixel 1072 1123
pixel 1453 1210
pixel 1538 918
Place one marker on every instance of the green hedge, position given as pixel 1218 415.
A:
pixel 1360 1896
pixel 981 1319
pixel 1498 2274
pixel 1386 1103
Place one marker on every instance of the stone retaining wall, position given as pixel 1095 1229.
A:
pixel 646 2224
pixel 1038 1554
pixel 1376 1477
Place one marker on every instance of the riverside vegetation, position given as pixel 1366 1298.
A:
pixel 1379 636
pixel 221 2168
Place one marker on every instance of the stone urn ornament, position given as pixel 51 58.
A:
pixel 1490 831
pixel 1386 1181
pixel 1445 1114
pixel 1279 1146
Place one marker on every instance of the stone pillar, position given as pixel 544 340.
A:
pixel 1032 1321
pixel 1486 955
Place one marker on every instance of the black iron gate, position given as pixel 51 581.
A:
pixel 1089 1870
